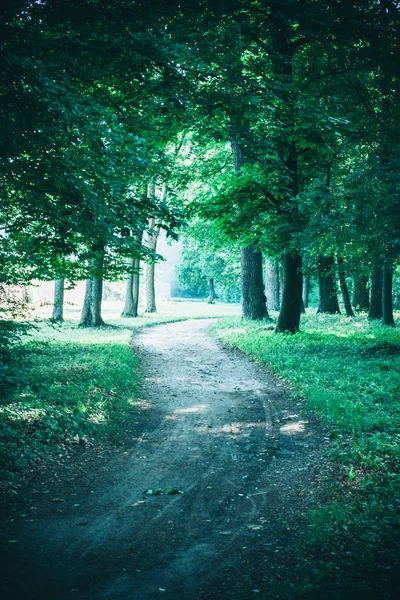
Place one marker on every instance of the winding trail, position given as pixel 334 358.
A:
pixel 219 429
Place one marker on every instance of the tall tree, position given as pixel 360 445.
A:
pixel 58 303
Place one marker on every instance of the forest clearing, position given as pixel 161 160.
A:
pixel 200 299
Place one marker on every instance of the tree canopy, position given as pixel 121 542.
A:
pixel 280 117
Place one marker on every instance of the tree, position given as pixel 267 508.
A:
pixel 272 284
pixel 58 304
pixel 328 301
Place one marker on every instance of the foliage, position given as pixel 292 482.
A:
pixel 12 328
pixel 202 259
pixel 348 373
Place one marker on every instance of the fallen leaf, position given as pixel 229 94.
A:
pixel 167 491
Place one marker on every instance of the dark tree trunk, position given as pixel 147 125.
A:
pixel 360 293
pixel 328 301
pixel 253 297
pixel 211 286
pixel 387 300
pixel 306 291
pixel 135 287
pixel 91 311
pixel 58 305
pixel 289 317
pixel 344 289
pixel 251 276
pixel 97 296
pixel 272 284
pixel 375 306
pixel 238 157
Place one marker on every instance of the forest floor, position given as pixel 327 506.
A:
pixel 209 424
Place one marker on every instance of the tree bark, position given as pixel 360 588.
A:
pixel 328 301
pixel 344 289
pixel 251 277
pixel 360 293
pixel 58 305
pixel 150 289
pixel 272 284
pixel 387 300
pixel 211 286
pixel 151 243
pixel 91 311
pixel 97 295
pixel 306 291
pixel 131 308
pixel 135 287
pixel 376 302
pixel 289 316
pixel 253 297
pixel 86 314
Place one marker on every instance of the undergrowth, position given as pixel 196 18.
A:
pixel 347 371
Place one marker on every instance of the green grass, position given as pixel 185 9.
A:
pixel 347 371
pixel 76 384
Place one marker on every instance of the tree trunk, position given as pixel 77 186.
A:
pixel 328 301
pixel 91 311
pixel 289 316
pixel 360 293
pixel 211 286
pixel 150 289
pixel 387 300
pixel 151 244
pixel 58 305
pixel 306 291
pixel 86 315
pixel 272 284
pixel 344 289
pixel 135 287
pixel 131 307
pixel 375 306
pixel 97 295
pixel 251 275
pixel 253 297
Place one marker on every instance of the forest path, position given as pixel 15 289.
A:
pixel 211 424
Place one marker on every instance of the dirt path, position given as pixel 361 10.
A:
pixel 212 425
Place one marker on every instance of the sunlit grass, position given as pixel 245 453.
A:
pixel 75 383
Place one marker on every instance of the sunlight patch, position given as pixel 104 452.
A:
pixel 196 408
pixel 295 427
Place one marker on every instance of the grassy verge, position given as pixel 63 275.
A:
pixel 75 386
pixel 348 373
